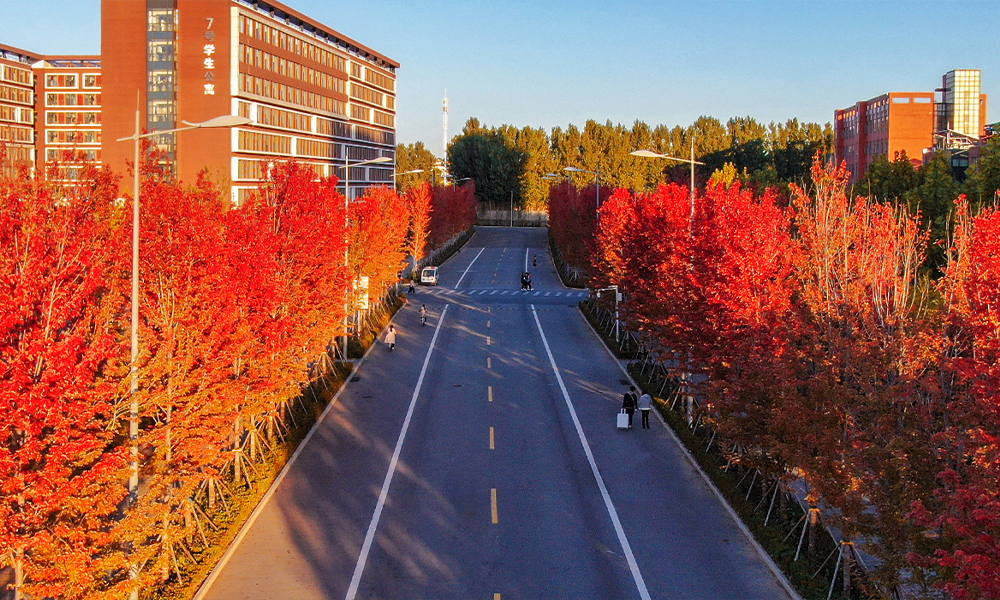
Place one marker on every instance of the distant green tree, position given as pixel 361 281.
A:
pixel 982 182
pixel 410 157
pixel 490 160
pixel 886 181
pixel 792 146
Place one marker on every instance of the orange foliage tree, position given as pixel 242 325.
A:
pixel 418 204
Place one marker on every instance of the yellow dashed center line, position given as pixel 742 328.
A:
pixel 487 323
pixel 489 393
pixel 496 596
pixel 493 444
pixel 489 362
pixel 493 505
pixel 489 341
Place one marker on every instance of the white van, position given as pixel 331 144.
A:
pixel 429 276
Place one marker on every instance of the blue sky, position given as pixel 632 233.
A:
pixel 547 63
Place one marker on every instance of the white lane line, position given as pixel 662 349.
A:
pixel 536 293
pixel 494 292
pixel 503 293
pixel 558 293
pixel 468 267
pixel 352 591
pixel 775 570
pixel 206 585
pixel 526 259
pixel 548 293
pixel 626 548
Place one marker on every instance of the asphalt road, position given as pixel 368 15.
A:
pixel 480 459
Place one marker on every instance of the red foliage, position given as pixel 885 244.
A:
pixel 453 211
pixel 572 221
pixel 60 360
pixel 966 508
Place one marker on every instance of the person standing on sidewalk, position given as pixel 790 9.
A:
pixel 629 402
pixel 390 338
pixel 645 405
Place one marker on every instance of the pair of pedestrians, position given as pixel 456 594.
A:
pixel 390 335
pixel 631 402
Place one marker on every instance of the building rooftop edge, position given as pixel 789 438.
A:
pixel 27 54
pixel 294 13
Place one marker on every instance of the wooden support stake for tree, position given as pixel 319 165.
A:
pixel 792 530
pixel 752 481
pixel 777 488
pixel 798 549
pixel 833 580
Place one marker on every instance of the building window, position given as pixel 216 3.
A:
pixel 161 51
pixel 162 111
pixel 91 80
pixel 162 81
pixel 60 81
pixel 161 20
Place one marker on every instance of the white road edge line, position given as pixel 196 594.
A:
pixel 526 258
pixel 352 591
pixel 626 548
pixel 469 267
pixel 248 524
pixel 775 569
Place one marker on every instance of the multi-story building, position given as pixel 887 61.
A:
pixel 915 122
pixel 963 108
pixel 68 105
pixel 312 93
pixel 17 108
pixel 887 125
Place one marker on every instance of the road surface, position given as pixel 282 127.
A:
pixel 480 459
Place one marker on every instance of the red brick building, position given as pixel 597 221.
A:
pixel 313 94
pixel 17 107
pixel 884 126
pixel 68 106
pixel 50 111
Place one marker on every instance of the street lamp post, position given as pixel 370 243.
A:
pixel 347 264
pixel 413 172
pixel 596 174
pixel 133 426
pixel 618 297
pixel 133 419
pixel 686 375
pixel 692 162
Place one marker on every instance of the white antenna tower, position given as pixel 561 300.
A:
pixel 444 116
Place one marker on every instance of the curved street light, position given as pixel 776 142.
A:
pixel 691 161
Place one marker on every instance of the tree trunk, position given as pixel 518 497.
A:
pixel 18 573
pixel 813 525
pixel 847 551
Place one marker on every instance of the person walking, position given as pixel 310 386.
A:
pixel 645 405
pixel 390 338
pixel 534 261
pixel 629 403
pixel 423 315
